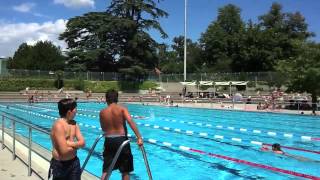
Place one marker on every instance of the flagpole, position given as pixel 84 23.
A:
pixel 185 41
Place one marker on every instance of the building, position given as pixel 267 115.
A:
pixel 3 66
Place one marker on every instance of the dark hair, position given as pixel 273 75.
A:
pixel 276 147
pixel 65 105
pixel 111 96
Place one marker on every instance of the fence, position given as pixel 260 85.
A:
pixel 267 77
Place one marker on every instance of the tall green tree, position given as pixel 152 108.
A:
pixel 117 38
pixel 222 40
pixel 172 60
pixel 303 71
pixel 96 40
pixel 21 58
pixel 42 56
pixel 281 30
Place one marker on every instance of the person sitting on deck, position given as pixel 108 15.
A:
pixel 172 105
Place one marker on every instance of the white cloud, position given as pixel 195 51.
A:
pixel 24 7
pixel 75 3
pixel 12 35
pixel 40 15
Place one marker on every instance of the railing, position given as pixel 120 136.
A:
pixel 29 146
pixel 109 171
pixel 146 162
pixel 30 128
pixel 115 158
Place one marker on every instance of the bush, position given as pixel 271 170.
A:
pixel 259 89
pixel 79 85
pixel 21 84
pixel 147 85
pixel 251 84
pixel 101 86
pixel 241 88
pixel 58 83
pixel 94 86
pixel 134 86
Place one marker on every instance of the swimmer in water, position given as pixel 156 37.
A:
pixel 276 148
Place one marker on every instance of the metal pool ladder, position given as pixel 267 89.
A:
pixel 116 157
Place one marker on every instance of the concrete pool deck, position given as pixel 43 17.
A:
pixel 229 107
pixel 39 160
pixel 16 169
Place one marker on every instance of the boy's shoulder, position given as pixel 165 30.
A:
pixel 58 123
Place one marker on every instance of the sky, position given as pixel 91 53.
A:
pixel 33 20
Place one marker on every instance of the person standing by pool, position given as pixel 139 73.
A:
pixel 66 139
pixel 113 122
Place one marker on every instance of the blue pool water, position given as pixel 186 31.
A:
pixel 170 133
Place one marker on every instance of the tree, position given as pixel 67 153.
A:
pixel 303 71
pixel 221 42
pixel 42 56
pixel 280 31
pixel 274 19
pixel 95 41
pixel 21 57
pixel 117 38
pixel 296 27
pixel 171 61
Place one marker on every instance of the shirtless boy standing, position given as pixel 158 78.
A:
pixel 113 122
pixel 66 139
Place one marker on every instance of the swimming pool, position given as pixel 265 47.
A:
pixel 189 143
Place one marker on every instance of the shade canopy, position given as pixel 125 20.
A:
pixel 189 83
pixel 224 83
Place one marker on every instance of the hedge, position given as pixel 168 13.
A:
pixel 94 86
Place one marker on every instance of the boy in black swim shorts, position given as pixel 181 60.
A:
pixel 125 160
pixel 113 122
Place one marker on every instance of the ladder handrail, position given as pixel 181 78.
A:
pixel 91 151
pixel 115 159
pixel 146 161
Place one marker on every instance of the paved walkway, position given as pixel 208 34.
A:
pixel 16 169
pixel 229 106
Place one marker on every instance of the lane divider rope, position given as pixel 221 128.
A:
pixel 187 132
pixel 206 135
pixel 185 148
pixel 247 130
pixel 255 131
pixel 239 161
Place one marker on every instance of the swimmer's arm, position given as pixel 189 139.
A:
pixel 80 143
pixel 133 126
pixel 60 140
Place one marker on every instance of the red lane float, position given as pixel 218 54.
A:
pixel 293 173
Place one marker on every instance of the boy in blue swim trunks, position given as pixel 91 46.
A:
pixel 113 122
